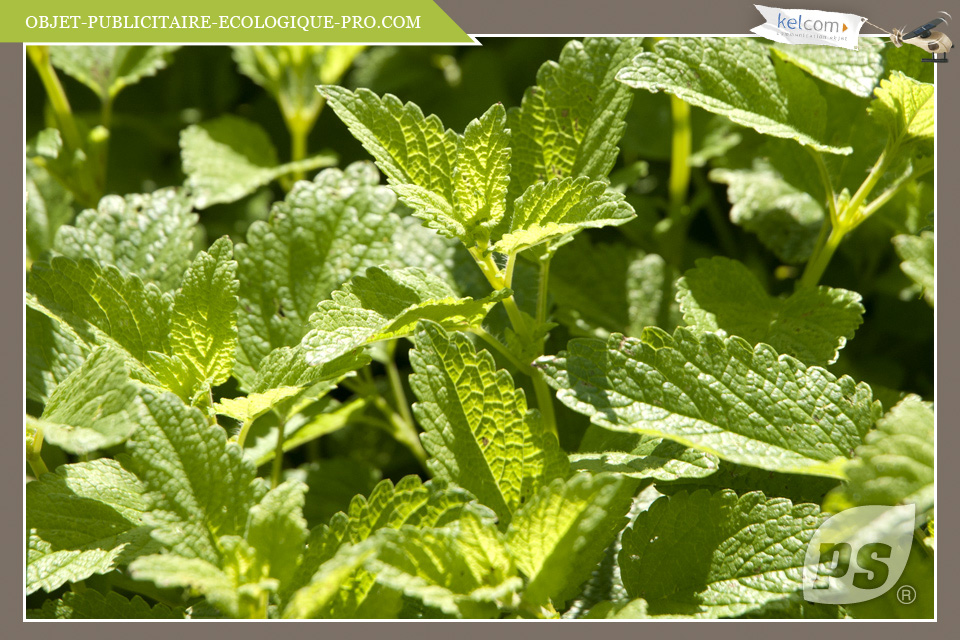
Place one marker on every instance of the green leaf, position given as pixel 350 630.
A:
pixel 602 288
pixel 102 307
pixel 410 502
pixel 48 206
pixel 481 176
pixel 569 124
pixel 463 570
pixel 249 408
pixel 250 567
pixel 811 324
pixel 905 107
pixel 720 395
pixel 638 456
pixel 233 590
pixel 856 70
pixel 716 555
pixel 276 530
pixel 548 211
pixel 736 78
pixel 478 431
pixel 321 592
pixel 230 157
pixel 305 426
pixel 559 536
pixel 322 234
pixel 92 605
pixel 147 235
pixel 108 69
pixel 917 254
pixel 95 407
pixel 386 304
pixel 410 148
pixel 200 487
pixel 83 520
pixel 203 320
pixel 53 352
pixel 895 463
pixel 786 218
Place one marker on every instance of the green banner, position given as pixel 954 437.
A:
pixel 334 21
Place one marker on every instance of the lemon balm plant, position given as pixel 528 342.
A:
pixel 594 382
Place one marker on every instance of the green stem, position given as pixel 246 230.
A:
pixel 403 431
pixel 542 290
pixel 502 350
pixel 821 258
pixel 545 403
pixel 875 174
pixel 681 146
pixel 830 195
pixel 244 430
pixel 277 469
pixel 490 271
pixel 34 459
pixel 888 194
pixel 298 146
pixel 40 56
pixel 396 385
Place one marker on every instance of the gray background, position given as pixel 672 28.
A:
pixel 476 17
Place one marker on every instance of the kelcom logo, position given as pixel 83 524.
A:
pixel 858 554
pixel 799 24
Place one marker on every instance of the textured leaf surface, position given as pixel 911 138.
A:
pixel 85 519
pixel 381 305
pixel 812 324
pixel 277 530
pixel 53 352
pixel 102 307
pixel 747 405
pixel 917 255
pixel 559 536
pixel 322 234
pixel 895 464
pixel 410 502
pixel 905 106
pixel 478 431
pixel 785 217
pixel 639 456
pixel 221 588
pixel 147 235
pixel 108 69
pixel 856 70
pixel 410 148
pixel 230 157
pixel 203 321
pixel 249 568
pixel 249 408
pixel 482 173
pixel 602 288
pixel 716 555
pixel 48 206
pixel 96 407
pixel 200 487
pixel 92 605
pixel 569 124
pixel 463 570
pixel 736 78
pixel 550 210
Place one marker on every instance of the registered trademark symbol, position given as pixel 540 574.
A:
pixel 906 594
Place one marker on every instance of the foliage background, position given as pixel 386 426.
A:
pixel 892 351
